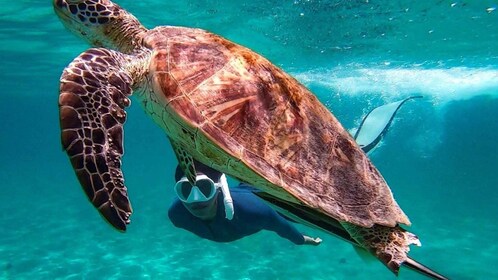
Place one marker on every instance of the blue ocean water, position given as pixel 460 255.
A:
pixel 439 158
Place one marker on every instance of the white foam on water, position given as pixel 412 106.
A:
pixel 439 86
pixel 442 85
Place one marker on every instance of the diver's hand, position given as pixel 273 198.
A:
pixel 312 241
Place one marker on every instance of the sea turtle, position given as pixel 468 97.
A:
pixel 225 106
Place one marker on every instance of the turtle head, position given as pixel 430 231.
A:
pixel 102 23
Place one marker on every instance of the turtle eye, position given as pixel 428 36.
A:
pixel 64 3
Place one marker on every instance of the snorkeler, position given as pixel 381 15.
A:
pixel 201 210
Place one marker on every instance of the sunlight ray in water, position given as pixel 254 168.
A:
pixel 441 85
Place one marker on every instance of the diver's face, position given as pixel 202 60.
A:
pixel 205 210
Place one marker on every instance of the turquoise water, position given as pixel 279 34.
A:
pixel 440 157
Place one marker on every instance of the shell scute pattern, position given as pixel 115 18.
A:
pixel 242 94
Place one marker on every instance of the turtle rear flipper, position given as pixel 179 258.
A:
pixel 389 244
pixel 93 96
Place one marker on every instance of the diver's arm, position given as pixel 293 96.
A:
pixel 285 229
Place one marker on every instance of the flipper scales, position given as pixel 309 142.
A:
pixel 93 96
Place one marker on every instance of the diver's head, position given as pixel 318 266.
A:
pixel 201 198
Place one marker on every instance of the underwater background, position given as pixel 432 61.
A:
pixel 440 156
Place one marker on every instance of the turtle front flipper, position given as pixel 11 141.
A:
pixel 94 92
pixel 186 162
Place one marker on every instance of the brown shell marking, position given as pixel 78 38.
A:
pixel 275 127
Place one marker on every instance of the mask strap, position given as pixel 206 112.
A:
pixel 227 198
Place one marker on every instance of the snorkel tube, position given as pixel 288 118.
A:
pixel 227 198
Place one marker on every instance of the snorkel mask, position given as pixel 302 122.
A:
pixel 204 190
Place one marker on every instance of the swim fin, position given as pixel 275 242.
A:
pixel 376 123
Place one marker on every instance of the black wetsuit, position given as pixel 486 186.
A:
pixel 251 216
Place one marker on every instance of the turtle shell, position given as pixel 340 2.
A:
pixel 237 112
